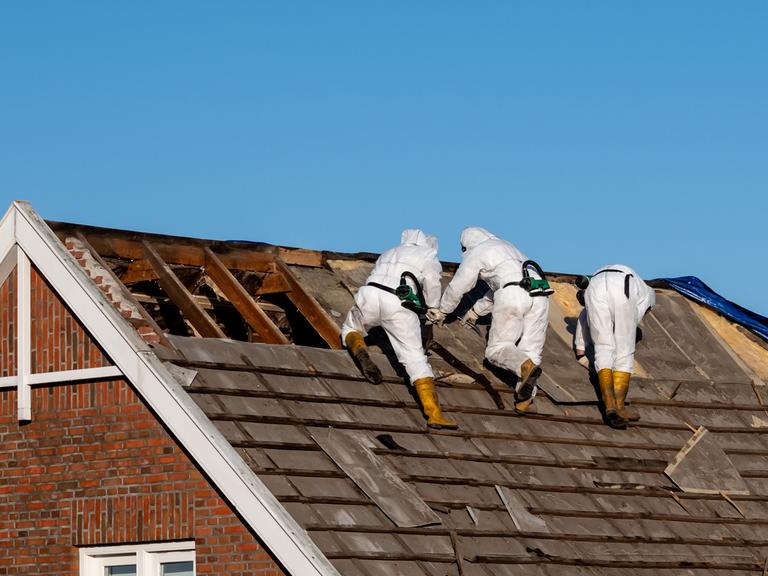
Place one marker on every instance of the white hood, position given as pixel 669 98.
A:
pixel 414 236
pixel 474 235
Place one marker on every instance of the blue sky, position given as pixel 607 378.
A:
pixel 587 133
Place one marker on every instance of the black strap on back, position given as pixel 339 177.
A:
pixel 626 278
pixel 608 270
pixel 626 285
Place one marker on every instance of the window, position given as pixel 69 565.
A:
pixel 160 559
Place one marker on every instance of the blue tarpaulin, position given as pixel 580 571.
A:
pixel 695 289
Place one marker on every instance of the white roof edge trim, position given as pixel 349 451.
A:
pixel 281 534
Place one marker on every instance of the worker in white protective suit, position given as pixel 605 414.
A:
pixel 615 301
pixel 519 314
pixel 413 264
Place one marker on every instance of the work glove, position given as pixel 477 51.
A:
pixel 470 319
pixel 583 361
pixel 435 316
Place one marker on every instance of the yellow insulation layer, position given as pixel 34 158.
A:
pixel 753 355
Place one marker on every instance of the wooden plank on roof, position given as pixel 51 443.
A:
pixel 315 314
pixel 273 284
pixel 239 297
pixel 176 291
pixel 300 256
pixel 376 478
pixel 137 271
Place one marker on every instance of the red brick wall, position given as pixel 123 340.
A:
pixel 58 340
pixel 94 466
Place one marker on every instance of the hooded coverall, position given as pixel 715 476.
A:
pixel 417 254
pixel 519 321
pixel 615 302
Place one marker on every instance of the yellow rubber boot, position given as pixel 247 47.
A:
pixel 356 345
pixel 425 389
pixel 620 389
pixel 528 370
pixel 612 418
pixel 525 407
pixel 529 373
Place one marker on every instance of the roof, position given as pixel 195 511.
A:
pixel 378 493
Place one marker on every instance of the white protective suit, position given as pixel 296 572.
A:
pixel 582 337
pixel 519 325
pixel 612 317
pixel 417 253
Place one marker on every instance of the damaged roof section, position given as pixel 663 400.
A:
pixel 183 286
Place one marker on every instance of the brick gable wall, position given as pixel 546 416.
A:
pixel 94 466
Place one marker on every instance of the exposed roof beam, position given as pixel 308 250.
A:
pixel 315 314
pixel 141 270
pixel 243 301
pixel 176 291
pixel 184 254
pixel 237 255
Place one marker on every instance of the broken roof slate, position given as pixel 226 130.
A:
pixel 464 467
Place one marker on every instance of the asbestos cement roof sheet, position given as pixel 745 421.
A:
pixel 551 493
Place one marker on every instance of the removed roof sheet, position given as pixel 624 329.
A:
pixel 376 478
pixel 703 466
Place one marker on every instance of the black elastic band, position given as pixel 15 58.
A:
pixel 382 287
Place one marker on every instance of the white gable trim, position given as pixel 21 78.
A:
pixel 23 333
pixel 69 376
pixel 289 543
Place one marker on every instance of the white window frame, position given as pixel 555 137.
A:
pixel 147 557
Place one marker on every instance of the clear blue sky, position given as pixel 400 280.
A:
pixel 587 133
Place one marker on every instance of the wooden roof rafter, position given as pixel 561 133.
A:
pixel 200 320
pixel 242 300
pixel 155 258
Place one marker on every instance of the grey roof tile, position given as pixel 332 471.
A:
pixel 228 380
pixel 245 406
